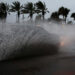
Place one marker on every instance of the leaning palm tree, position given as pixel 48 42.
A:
pixel 16 7
pixel 64 12
pixel 55 15
pixel 29 9
pixel 73 15
pixel 41 8
pixel 3 11
pixel 61 11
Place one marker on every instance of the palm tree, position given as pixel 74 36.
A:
pixel 61 11
pixel 16 7
pixel 64 12
pixel 41 7
pixel 29 9
pixel 55 15
pixel 73 15
pixel 3 11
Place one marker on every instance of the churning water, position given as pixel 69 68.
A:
pixel 66 34
pixel 14 36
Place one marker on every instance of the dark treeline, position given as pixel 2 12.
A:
pixel 30 8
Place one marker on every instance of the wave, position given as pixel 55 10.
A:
pixel 26 40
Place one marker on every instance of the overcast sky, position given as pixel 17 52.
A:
pixel 52 5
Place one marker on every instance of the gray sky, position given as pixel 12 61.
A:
pixel 52 5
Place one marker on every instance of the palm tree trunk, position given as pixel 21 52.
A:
pixel 43 14
pixel 18 14
pixel 31 16
pixel 5 16
pixel 43 17
pixel 65 19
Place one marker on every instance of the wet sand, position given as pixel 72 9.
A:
pixel 60 64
